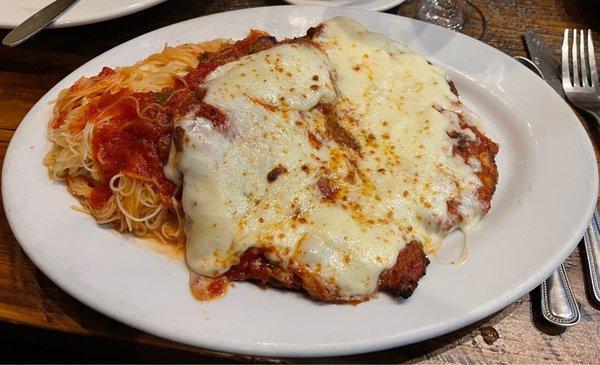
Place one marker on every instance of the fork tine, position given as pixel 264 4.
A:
pixel 566 76
pixel 582 60
pixel 575 66
pixel 592 61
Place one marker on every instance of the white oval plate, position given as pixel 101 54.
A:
pixel 545 196
pixel 14 12
pixel 373 5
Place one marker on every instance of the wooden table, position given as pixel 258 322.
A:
pixel 41 322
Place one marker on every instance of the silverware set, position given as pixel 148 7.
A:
pixel 581 85
pixel 577 82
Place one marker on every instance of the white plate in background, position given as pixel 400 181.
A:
pixel 373 5
pixel 14 12
pixel 545 196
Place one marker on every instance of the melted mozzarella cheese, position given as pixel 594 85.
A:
pixel 397 96
pixel 276 178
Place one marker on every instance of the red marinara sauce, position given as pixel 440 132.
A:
pixel 100 195
pixel 132 137
pixel 132 132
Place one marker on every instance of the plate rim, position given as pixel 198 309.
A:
pixel 333 349
pixel 378 5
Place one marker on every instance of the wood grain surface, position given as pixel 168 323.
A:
pixel 32 306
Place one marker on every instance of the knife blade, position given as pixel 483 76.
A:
pixel 37 22
pixel 541 55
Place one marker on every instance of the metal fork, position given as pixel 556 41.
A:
pixel 580 81
pixel 580 75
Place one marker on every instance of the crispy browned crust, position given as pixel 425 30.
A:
pixel 254 266
pixel 401 280
pixel 482 149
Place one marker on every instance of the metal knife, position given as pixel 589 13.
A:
pixel 37 22
pixel 542 57
pixel 558 303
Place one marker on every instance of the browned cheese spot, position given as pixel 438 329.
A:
pixel 275 173
pixel 453 88
pixel 314 141
pixel 327 189
pixel 336 131
pixel 347 259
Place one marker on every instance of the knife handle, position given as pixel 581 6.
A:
pixel 591 242
pixel 559 306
